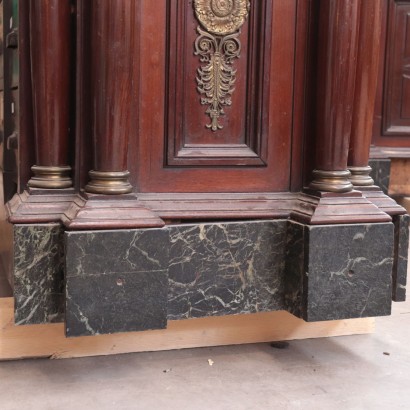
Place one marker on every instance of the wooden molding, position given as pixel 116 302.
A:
pixel 109 212
pixel 18 342
pixel 377 197
pixel 152 209
pixel 39 206
pixel 317 208
pixel 220 206
pixel 50 43
pixel 389 152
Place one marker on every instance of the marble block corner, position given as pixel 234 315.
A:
pixel 116 281
pixel 296 250
pixel 38 274
pixel 348 271
pixel 401 249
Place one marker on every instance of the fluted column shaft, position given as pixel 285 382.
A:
pixel 365 93
pixel 50 39
pixel 113 46
pixel 337 54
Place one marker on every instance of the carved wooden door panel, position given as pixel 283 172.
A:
pixel 216 96
pixel 397 91
pixel 392 112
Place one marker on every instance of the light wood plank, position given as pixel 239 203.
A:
pixel 18 342
pixel 399 184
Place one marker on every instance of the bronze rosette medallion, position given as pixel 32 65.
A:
pixel 222 17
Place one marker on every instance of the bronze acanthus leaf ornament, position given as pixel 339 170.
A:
pixel 218 45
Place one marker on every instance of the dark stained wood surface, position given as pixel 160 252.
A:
pixel 302 127
pixel 124 102
pixel 366 82
pixel 108 212
pixel 83 150
pixel 153 174
pixel 337 52
pixel 26 131
pixel 149 210
pixel 45 207
pixel 389 101
pixel 264 205
pixel 113 49
pixel 243 139
pixel 383 202
pixel 50 39
pixel 396 113
pixel 368 58
pixel 321 208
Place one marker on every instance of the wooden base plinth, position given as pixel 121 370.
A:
pixel 404 202
pixel 324 208
pixel 18 342
pixel 388 205
pixel 109 212
pixel 40 206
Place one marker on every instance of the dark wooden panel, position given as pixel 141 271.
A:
pixel 26 120
pixel 11 100
pixel 241 141
pixel 50 72
pixel 406 97
pixel 157 169
pixel 368 62
pixel 397 88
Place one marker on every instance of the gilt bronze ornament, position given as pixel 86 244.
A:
pixel 218 46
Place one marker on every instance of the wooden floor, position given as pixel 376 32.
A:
pixel 49 341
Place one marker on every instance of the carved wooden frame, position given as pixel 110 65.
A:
pixel 253 151
pixel 393 124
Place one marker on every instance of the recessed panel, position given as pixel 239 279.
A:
pixel 218 65
pixel 397 85
pixel 216 94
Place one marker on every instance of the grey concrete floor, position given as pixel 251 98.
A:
pixel 351 372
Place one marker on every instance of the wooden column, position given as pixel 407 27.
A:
pixel 50 73
pixel 368 60
pixel 365 93
pixel 113 46
pixel 337 48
